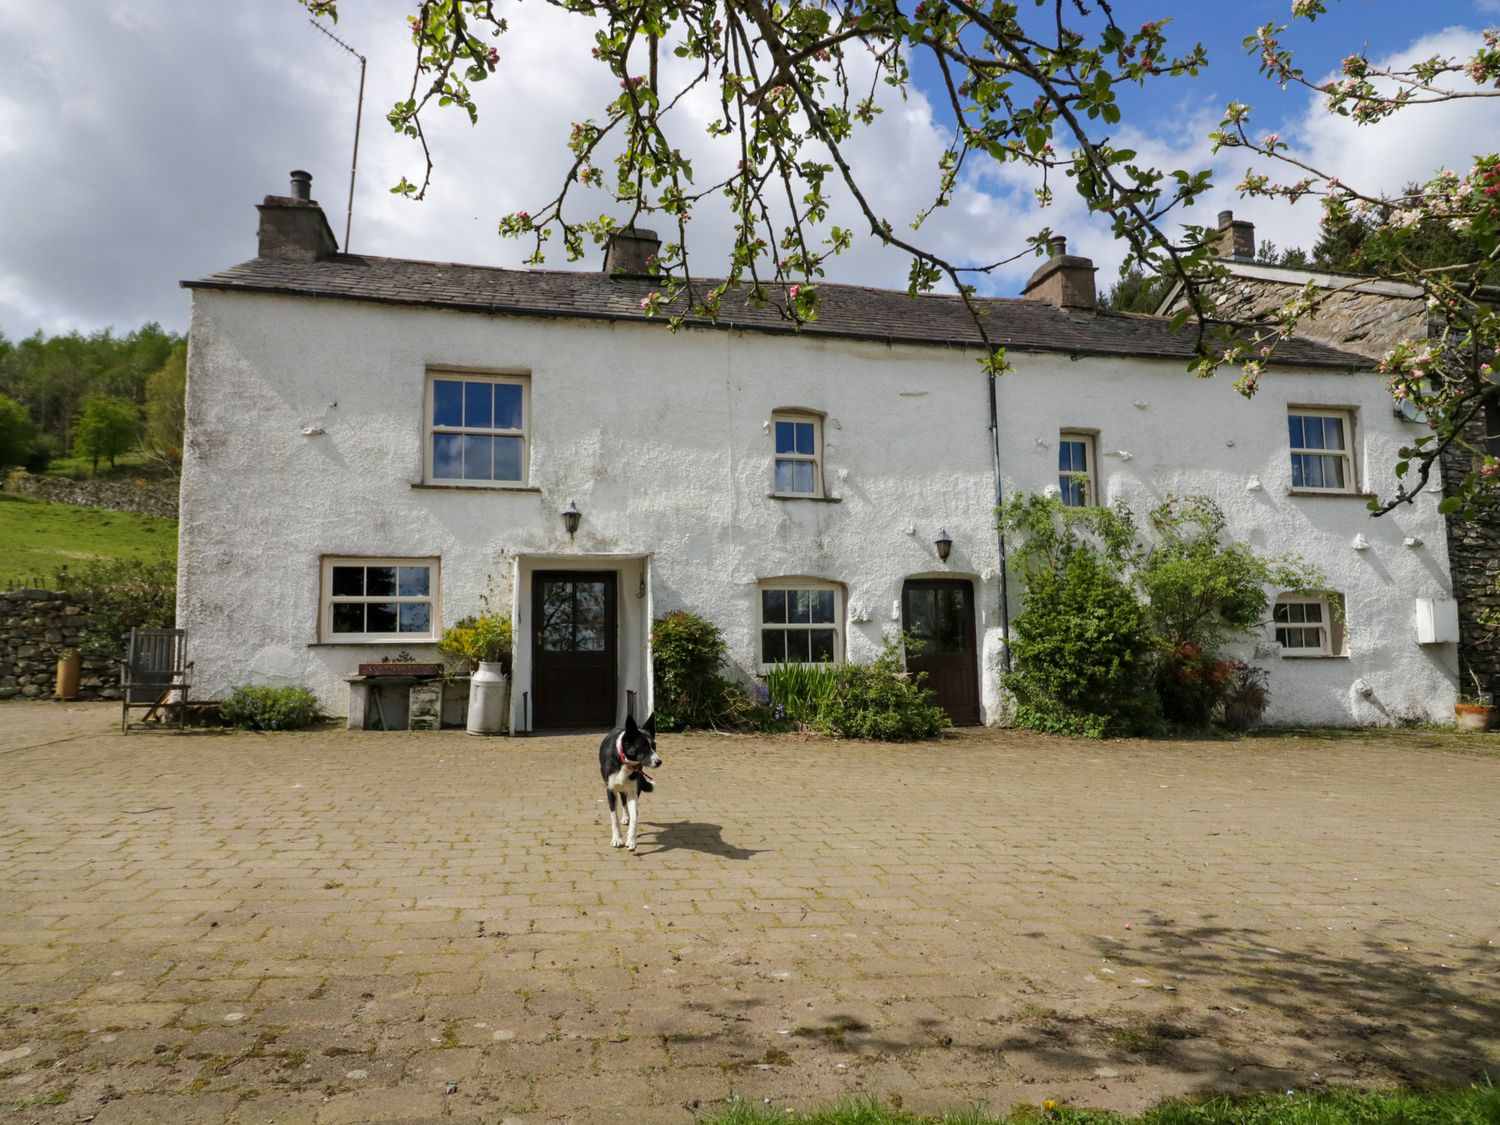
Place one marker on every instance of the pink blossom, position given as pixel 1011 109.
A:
pixel 793 291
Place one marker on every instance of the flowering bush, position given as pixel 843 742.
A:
pixel 1118 636
pixel 484 638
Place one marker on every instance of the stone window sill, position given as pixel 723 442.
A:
pixel 798 496
pixel 421 487
pixel 374 644
pixel 1367 496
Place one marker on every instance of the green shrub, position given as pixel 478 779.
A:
pixel 1202 593
pixel 118 595
pixel 1080 644
pixel 259 707
pixel 879 700
pixel 687 654
pixel 1118 635
pixel 796 693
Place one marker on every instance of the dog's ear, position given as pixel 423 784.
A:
pixel 650 727
pixel 631 730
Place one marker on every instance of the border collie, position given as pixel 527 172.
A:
pixel 624 755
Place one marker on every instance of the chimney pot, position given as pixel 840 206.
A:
pixel 302 185
pixel 1225 218
pixel 631 252
pixel 1064 280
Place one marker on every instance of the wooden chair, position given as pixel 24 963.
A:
pixel 155 676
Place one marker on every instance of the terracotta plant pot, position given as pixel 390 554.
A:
pixel 69 673
pixel 1474 716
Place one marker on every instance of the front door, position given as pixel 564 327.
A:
pixel 940 614
pixel 573 679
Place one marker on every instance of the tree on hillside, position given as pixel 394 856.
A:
pixel 133 359
pixel 165 408
pixel 53 376
pixel 16 432
pixel 107 427
pixel 1034 86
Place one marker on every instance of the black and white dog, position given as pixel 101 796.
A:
pixel 624 756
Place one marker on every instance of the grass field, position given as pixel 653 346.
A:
pixel 37 537
pixel 1473 1106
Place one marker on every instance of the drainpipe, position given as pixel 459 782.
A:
pixel 999 524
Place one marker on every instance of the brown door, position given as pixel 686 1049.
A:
pixel 940 614
pixel 573 647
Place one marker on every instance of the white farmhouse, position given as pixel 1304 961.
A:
pixel 375 445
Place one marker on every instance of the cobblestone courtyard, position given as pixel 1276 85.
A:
pixel 335 927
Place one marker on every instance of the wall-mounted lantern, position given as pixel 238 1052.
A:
pixel 943 543
pixel 571 515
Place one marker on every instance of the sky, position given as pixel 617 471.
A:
pixel 136 136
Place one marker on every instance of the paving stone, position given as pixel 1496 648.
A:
pixel 1018 909
pixel 152 1109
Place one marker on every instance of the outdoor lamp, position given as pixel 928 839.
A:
pixel 571 515
pixel 943 543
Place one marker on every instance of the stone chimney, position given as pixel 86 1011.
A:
pixel 293 227
pixel 631 252
pixel 1063 279
pixel 1236 238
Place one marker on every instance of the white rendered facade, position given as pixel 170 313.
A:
pixel 308 440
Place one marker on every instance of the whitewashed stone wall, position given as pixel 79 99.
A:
pixel 663 443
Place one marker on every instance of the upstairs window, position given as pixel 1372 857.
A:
pixel 799 622
pixel 1322 456
pixel 379 600
pixel 477 429
pixel 1075 469
pixel 799 446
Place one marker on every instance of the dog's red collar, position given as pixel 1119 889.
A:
pixel 633 767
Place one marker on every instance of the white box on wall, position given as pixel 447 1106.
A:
pixel 1437 621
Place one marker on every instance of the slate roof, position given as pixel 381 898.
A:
pixel 846 311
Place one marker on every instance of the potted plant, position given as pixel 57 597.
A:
pixel 1476 710
pixel 483 644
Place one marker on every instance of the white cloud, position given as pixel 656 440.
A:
pixel 137 146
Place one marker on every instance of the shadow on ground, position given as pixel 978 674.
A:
pixel 1387 1012
pixel 696 836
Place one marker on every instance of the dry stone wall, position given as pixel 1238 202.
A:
pixel 144 498
pixel 36 626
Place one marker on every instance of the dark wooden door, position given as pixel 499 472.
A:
pixel 940 613
pixel 573 679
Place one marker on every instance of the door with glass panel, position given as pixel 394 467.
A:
pixel 574 676
pixel 939 613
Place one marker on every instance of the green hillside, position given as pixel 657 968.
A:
pixel 37 537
